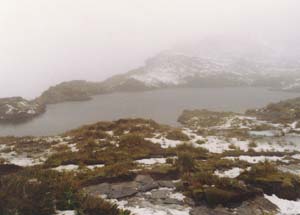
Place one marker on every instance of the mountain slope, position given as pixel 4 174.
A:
pixel 213 63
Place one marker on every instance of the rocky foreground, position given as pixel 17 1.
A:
pixel 216 163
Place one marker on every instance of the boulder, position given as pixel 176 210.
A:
pixel 167 184
pixel 100 189
pixel 146 183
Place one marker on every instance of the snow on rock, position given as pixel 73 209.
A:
pixel 146 205
pixel 10 109
pixel 19 109
pixel 31 111
pixel 73 147
pixel 294 125
pixel 286 207
pixel 233 173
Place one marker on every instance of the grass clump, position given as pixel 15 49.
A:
pixel 203 118
pixel 177 134
pixel 204 186
pixel 39 191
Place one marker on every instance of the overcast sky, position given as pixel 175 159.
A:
pixel 43 42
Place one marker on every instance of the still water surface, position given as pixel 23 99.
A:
pixel 164 106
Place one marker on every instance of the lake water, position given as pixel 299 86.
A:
pixel 164 106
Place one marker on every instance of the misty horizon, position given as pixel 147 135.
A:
pixel 45 43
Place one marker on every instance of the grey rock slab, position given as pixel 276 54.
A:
pixel 123 190
pixel 100 189
pixel 167 184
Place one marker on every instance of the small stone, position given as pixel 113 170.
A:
pixel 167 184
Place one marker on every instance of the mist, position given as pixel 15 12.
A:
pixel 46 42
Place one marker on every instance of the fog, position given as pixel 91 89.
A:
pixel 44 42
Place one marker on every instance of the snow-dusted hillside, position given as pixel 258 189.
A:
pixel 172 68
pixel 209 64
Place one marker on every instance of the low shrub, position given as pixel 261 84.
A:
pixel 90 205
pixel 177 134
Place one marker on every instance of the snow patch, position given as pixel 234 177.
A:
pixel 257 159
pixel 70 167
pixel 267 133
pixel 286 207
pixel 20 160
pixel 65 212
pixel 92 167
pixel 233 173
pixel 152 161
pixel 164 142
pixel 10 109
